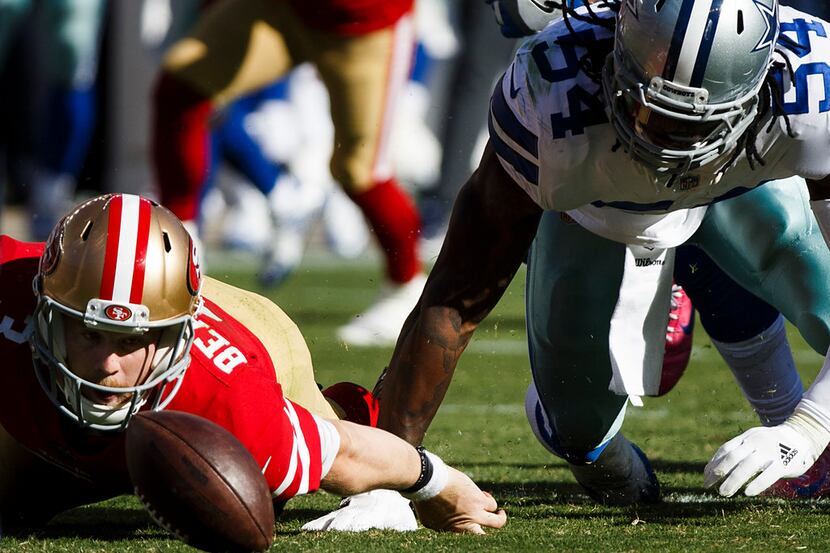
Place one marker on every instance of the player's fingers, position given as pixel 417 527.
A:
pixel 493 520
pixel 762 482
pixel 344 520
pixel 318 524
pixel 741 474
pixel 723 464
pixel 472 528
pixel 726 450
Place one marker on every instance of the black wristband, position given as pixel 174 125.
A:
pixel 426 472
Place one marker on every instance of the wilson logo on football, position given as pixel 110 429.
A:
pixel 118 313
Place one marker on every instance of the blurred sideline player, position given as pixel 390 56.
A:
pixel 280 181
pixel 121 320
pixel 69 40
pixel 362 51
pixel 295 188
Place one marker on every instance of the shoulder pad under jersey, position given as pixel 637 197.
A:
pixel 546 96
pixel 803 75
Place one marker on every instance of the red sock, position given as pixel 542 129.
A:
pixel 396 223
pixel 358 403
pixel 180 145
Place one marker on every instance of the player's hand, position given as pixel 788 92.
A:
pixel 765 455
pixel 461 507
pixel 377 509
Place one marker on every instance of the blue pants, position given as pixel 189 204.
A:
pixel 766 240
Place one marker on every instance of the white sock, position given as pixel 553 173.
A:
pixel 765 371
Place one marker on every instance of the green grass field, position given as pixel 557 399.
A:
pixel 481 428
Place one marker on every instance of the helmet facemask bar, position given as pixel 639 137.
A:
pixel 66 389
pixel 620 87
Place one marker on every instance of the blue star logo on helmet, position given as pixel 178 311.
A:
pixel 770 15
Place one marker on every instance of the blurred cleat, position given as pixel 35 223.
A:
pixel 381 323
pixel 245 222
pixel 678 339
pixel 293 205
pixel 345 228
pixel 622 475
pixel 282 255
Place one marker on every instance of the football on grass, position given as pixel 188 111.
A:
pixel 199 482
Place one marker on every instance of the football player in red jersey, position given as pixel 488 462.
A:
pixel 362 50
pixel 121 320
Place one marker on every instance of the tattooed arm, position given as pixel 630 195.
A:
pixel 492 226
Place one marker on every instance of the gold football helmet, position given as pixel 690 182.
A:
pixel 119 263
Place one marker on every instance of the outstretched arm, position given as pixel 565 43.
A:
pixel 370 458
pixel 492 226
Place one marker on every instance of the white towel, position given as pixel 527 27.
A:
pixel 638 326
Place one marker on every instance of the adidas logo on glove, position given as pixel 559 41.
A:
pixel 787 453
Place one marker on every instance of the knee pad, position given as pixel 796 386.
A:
pixel 543 430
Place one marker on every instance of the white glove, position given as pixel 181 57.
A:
pixel 377 509
pixel 783 451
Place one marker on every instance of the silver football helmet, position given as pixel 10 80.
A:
pixel 683 82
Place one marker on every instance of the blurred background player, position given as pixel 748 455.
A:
pixel 248 136
pixel 362 52
pixel 458 83
pixel 292 184
pixel 63 91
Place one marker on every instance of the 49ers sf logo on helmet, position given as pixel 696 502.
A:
pixel 118 313
pixel 52 250
pixel 194 275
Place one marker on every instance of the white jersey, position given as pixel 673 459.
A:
pixel 549 127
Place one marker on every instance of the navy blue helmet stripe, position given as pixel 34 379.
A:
pixel 511 125
pixel 528 169
pixel 706 45
pixel 677 39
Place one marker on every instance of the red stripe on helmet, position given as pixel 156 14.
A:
pixel 143 238
pixel 111 257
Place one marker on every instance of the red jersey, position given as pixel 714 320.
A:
pixel 231 381
pixel 350 17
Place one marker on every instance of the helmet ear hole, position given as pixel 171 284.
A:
pixel 167 245
pixel 740 22
pixel 86 231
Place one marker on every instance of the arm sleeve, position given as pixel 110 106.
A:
pixel 283 437
pixel 296 455
pixel 329 444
